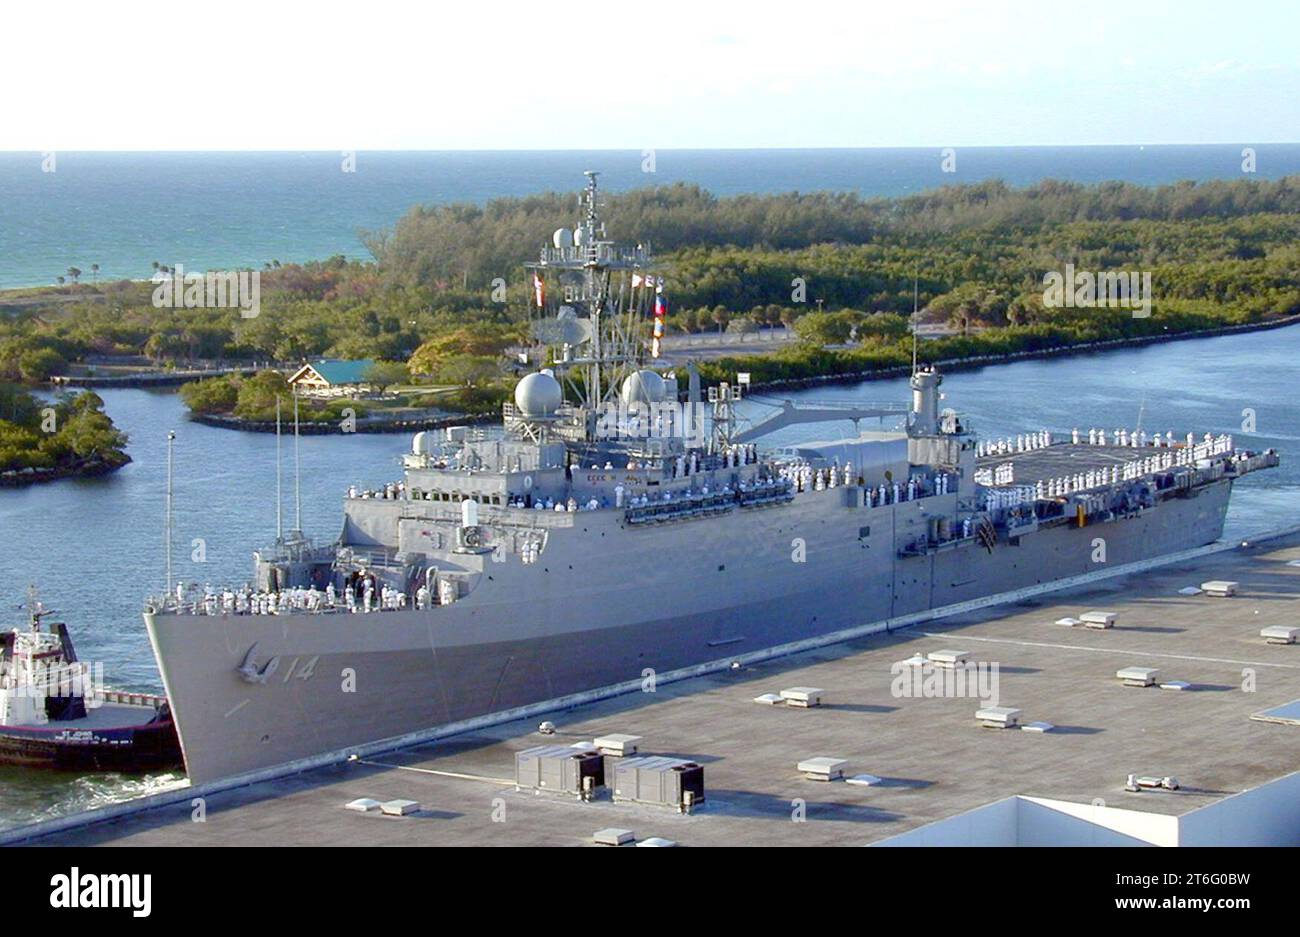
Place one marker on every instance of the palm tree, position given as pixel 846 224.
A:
pixel 94 271
pixel 721 317
pixel 73 274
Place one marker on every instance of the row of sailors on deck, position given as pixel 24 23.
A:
pixel 1025 442
pixel 1028 442
pixel 552 504
pixel 806 478
pixel 1123 437
pixel 247 602
pixel 393 491
pixel 684 465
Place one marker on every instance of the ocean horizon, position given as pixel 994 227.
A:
pixel 232 209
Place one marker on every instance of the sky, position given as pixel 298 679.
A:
pixel 239 75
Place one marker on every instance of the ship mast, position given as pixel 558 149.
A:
pixel 592 251
pixel 916 296
pixel 279 520
pixel 591 328
pixel 297 470
pixel 167 526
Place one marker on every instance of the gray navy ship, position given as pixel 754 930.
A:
pixel 616 524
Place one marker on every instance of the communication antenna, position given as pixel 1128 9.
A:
pixel 297 469
pixel 167 526
pixel 279 520
pixel 916 293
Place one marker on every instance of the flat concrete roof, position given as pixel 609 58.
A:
pixel 933 758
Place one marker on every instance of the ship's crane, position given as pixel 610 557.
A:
pixel 790 415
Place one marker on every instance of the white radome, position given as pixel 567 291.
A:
pixel 643 386
pixel 562 238
pixel 538 395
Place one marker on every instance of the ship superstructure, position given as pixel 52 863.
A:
pixel 616 524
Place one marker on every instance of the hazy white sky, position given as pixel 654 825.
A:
pixel 573 75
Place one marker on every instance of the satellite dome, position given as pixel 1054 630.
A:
pixel 562 238
pixel 418 444
pixel 644 386
pixel 579 237
pixel 538 395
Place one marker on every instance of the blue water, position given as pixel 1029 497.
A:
pixel 221 210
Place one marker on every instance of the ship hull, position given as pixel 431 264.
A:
pixel 130 750
pixel 320 683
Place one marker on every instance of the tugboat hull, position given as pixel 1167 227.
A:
pixel 75 746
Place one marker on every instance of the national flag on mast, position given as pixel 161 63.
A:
pixel 539 290
pixel 661 313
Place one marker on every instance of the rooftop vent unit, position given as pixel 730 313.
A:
pixel 656 841
pixel 1067 622
pixel 770 699
pixel 1150 782
pixel 1279 634
pixel 998 717
pixel 1220 588
pixel 804 697
pixel 618 745
pixel 362 805
pixel 612 836
pixel 560 769
pixel 1098 620
pixel 823 769
pixel 1138 676
pixel 660 782
pixel 399 808
pixel 948 660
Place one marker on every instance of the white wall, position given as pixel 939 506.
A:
pixel 1037 821
pixel 1268 815
pixel 1044 822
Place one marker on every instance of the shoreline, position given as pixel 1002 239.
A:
pixel 145 378
pixel 332 427
pixel 95 468
pixel 377 425
pixel 1059 351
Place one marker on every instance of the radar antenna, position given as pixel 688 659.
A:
pixel 916 294
pixel 588 303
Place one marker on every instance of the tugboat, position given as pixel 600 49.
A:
pixel 54 715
